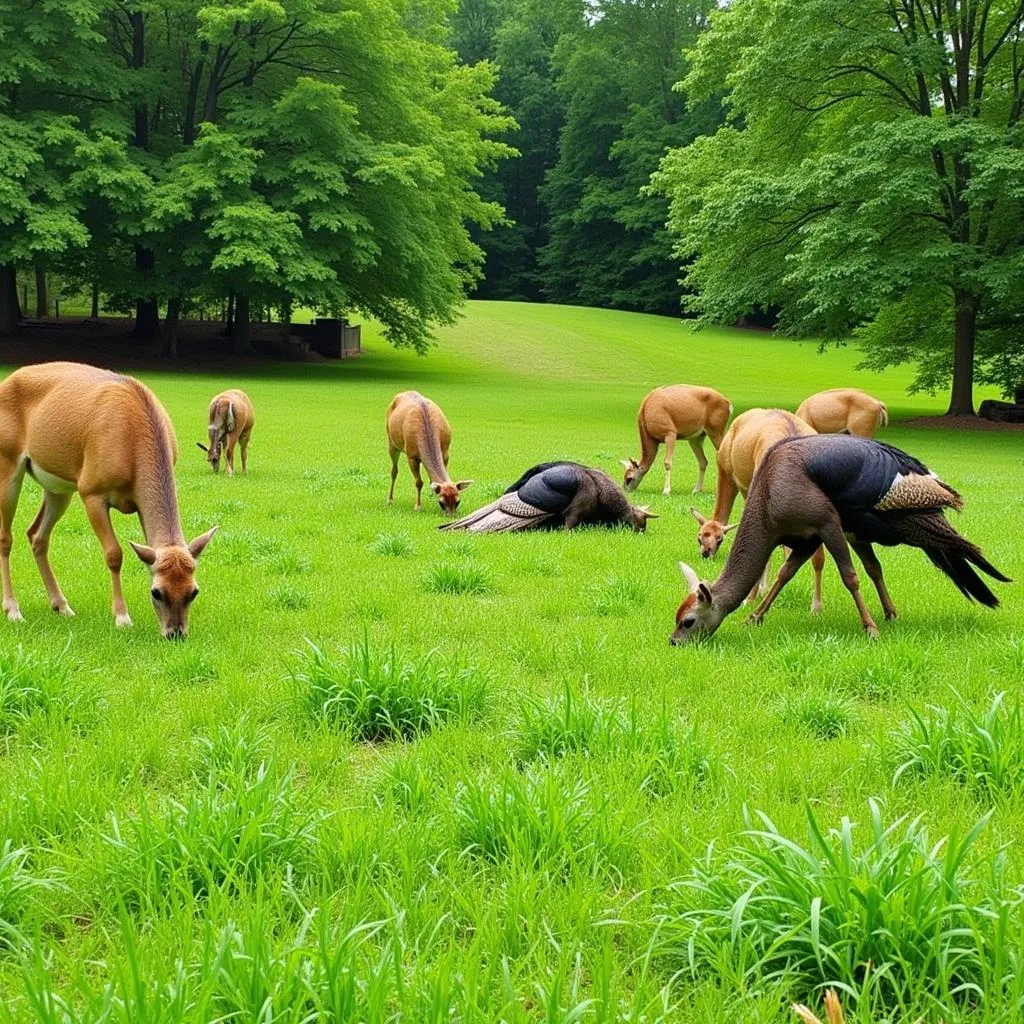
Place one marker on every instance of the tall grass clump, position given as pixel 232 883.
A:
pixel 17 890
pixel 894 917
pixel 983 750
pixel 656 752
pixel 618 595
pixel 542 820
pixel 32 684
pixel 458 578
pixel 381 694
pixel 394 545
pixel 242 827
pixel 824 716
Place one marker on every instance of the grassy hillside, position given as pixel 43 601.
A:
pixel 253 826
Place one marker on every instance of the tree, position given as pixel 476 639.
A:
pixel 608 244
pixel 872 177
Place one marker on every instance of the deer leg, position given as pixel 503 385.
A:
pixel 52 508
pixel 835 540
pixel 818 562
pixel 11 491
pixel 244 445
pixel 414 465
pixel 98 511
pixel 670 448
pixel 697 444
pixel 229 457
pixel 796 558
pixel 393 455
pixel 866 553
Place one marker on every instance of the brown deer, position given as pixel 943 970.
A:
pixel 844 411
pixel 745 444
pixel 73 428
pixel 679 410
pixel 823 489
pixel 417 427
pixel 229 423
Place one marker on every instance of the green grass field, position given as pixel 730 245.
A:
pixel 482 811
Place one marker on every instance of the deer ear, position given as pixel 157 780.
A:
pixel 692 579
pixel 197 546
pixel 462 485
pixel 202 447
pixel 435 488
pixel 729 529
pixel 704 593
pixel 626 463
pixel 145 553
pixel 646 512
pixel 696 515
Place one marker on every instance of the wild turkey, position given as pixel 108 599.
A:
pixel 553 495
pixel 824 489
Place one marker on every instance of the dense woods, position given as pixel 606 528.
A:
pixel 847 171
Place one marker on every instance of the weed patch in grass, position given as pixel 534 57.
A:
pixel 190 665
pixel 824 716
pixel 458 578
pixel 542 820
pixel 981 750
pixel 393 545
pixel 618 595
pixel 287 597
pixel 381 694
pixel 893 917
pixel 33 685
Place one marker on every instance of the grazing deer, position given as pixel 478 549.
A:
pixel 557 494
pixel 73 428
pixel 844 411
pixel 668 413
pixel 745 444
pixel 824 489
pixel 230 422
pixel 417 427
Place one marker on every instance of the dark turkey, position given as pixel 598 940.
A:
pixel 553 495
pixel 885 496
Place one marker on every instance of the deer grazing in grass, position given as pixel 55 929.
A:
pixel 668 413
pixel 823 489
pixel 745 444
pixel 556 495
pixel 844 411
pixel 417 427
pixel 229 423
pixel 73 428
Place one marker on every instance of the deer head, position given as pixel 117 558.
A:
pixel 213 450
pixel 699 615
pixel 633 474
pixel 448 494
pixel 172 581
pixel 711 533
pixel 641 513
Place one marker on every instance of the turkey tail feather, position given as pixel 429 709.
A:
pixel 492 519
pixel 952 554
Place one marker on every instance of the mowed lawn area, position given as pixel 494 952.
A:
pixel 479 813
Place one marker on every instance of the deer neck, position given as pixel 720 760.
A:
pixel 751 549
pixel 648 450
pixel 430 451
pixel 156 498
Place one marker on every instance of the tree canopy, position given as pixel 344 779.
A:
pixel 870 178
pixel 323 152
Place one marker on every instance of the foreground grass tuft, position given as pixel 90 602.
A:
pixel 982 750
pixel 894 916
pixel 381 694
pixel 394 545
pixel 458 578
pixel 824 716
pixel 33 685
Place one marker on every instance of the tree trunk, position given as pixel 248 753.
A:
pixel 961 401
pixel 171 328
pixel 242 334
pixel 42 305
pixel 147 315
pixel 229 317
pixel 94 311
pixel 10 311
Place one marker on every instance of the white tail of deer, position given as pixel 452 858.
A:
pixel 76 428
pixel 669 413
pixel 229 423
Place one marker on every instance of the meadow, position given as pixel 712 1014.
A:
pixel 395 774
